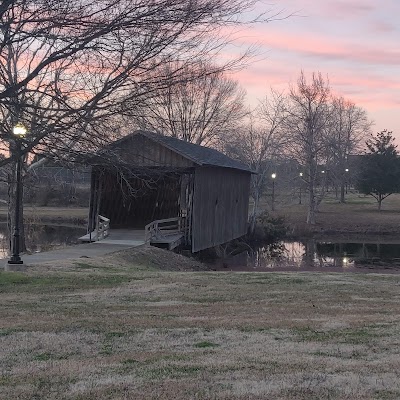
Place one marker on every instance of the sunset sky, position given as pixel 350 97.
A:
pixel 356 43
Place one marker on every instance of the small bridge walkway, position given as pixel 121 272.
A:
pixel 127 237
pixel 167 233
pixel 162 233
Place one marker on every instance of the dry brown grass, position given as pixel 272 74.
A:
pixel 115 329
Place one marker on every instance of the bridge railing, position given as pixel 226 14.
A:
pixel 161 228
pixel 102 227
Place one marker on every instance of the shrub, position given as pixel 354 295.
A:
pixel 269 229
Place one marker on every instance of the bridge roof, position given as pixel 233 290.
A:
pixel 199 155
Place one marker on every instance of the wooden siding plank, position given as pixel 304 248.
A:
pixel 220 207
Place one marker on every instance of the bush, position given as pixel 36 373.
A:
pixel 269 229
pixel 57 195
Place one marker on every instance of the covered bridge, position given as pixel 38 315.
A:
pixel 149 181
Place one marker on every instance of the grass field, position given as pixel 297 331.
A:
pixel 33 214
pixel 136 326
pixel 118 329
pixel 359 214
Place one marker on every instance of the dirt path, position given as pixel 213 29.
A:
pixel 79 251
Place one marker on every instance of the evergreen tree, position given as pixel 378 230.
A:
pixel 380 168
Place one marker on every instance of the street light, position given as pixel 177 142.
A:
pixel 301 175
pixel 347 178
pixel 19 132
pixel 273 176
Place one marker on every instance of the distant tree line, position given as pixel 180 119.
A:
pixel 308 125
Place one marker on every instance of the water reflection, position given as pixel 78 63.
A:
pixel 42 237
pixel 317 255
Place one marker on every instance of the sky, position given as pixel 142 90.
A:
pixel 355 43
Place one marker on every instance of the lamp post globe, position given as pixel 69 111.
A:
pixel 19 131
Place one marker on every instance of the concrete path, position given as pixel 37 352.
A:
pixel 116 241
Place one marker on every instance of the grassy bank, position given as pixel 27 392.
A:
pixel 61 215
pixel 359 215
pixel 118 329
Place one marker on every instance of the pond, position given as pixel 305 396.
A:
pixel 42 237
pixel 361 255
pixel 317 255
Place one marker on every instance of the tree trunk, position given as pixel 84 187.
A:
pixel 312 206
pixel 254 213
pixel 342 192
pixel 379 202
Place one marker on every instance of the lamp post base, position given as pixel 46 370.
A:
pixel 15 260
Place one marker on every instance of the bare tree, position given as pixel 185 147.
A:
pixel 68 67
pixel 307 123
pixel 260 143
pixel 348 128
pixel 201 107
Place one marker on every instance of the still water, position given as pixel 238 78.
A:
pixel 42 237
pixel 306 255
pixel 313 255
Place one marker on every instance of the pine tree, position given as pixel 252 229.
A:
pixel 380 168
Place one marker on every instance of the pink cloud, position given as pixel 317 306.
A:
pixel 354 42
pixel 308 44
pixel 350 9
pixel 371 91
pixel 367 81
pixel 382 27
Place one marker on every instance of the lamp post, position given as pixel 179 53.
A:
pixel 300 175
pixel 347 178
pixel 19 132
pixel 323 180
pixel 273 176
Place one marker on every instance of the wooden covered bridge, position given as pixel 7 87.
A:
pixel 169 191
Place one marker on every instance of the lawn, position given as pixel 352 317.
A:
pixel 118 328
pixel 61 215
pixel 359 215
